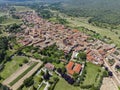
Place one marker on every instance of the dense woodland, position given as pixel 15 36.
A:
pixel 3 47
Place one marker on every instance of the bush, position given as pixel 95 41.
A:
pixel 86 86
pixel 68 78
pixel 40 79
pixel 25 61
pixel 63 69
pixel 53 85
pixel 42 73
pixel 55 78
pixel 20 65
pixel 57 61
pixel 82 56
pixel 46 76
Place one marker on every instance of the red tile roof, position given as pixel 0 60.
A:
pixel 70 65
pixel 71 69
pixel 71 72
pixel 77 68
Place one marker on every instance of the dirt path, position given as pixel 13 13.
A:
pixel 114 74
pixel 108 84
pixel 16 74
pixel 20 82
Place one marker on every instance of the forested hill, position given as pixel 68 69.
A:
pixel 102 11
pixel 93 4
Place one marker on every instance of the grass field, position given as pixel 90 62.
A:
pixel 22 9
pixel 63 85
pixel 92 72
pixel 10 21
pixel 24 73
pixel 26 88
pixel 42 86
pixel 12 66
pixel 2 13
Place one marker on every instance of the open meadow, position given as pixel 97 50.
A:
pixel 22 8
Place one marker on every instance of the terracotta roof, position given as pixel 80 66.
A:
pixel 89 57
pixel 75 30
pixel 71 69
pixel 71 72
pixel 101 51
pixel 70 65
pixel 77 68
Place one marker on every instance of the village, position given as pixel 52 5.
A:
pixel 41 33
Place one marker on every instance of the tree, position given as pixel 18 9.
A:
pixel 3 47
pixel 14 28
pixel 71 81
pixel 81 56
pixel 42 73
pixel 46 76
pixel 75 75
pixel 105 74
pixel 40 79
pixel 57 61
pixel 59 70
pixel 110 73
pixel 3 87
pixel 63 69
pixel 28 82
pixel 55 78
pixel 25 60
pixel 117 67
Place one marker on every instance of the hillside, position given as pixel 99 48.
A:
pixel 101 11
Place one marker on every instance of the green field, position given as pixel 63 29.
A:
pixel 10 21
pixel 2 13
pixel 63 85
pixel 22 8
pixel 12 66
pixel 92 72
pixel 42 86
pixel 23 74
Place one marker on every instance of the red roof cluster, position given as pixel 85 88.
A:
pixel 73 68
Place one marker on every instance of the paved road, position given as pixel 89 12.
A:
pixel 20 82
pixel 16 74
